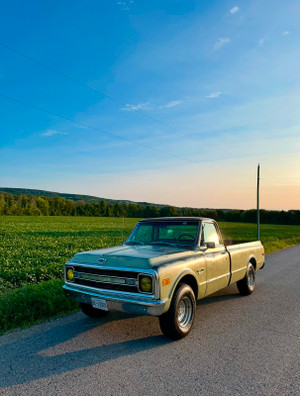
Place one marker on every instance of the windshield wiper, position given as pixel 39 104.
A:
pixel 134 243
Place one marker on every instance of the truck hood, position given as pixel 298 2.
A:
pixel 134 256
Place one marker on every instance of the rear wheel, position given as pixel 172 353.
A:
pixel 246 285
pixel 178 321
pixel 88 310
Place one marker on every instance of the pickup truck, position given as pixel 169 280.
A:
pixel 164 266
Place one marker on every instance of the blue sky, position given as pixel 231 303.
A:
pixel 203 91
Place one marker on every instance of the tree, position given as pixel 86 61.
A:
pixel 103 208
pixel 43 205
pixel 2 204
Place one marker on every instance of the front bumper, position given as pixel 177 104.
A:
pixel 118 301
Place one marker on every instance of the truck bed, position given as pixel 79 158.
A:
pixel 242 253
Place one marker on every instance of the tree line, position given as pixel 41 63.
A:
pixel 25 205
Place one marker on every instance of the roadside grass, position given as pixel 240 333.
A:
pixel 32 304
pixel 33 251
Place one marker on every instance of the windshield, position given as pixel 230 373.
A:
pixel 165 233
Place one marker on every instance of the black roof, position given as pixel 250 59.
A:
pixel 160 219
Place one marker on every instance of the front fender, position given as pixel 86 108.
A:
pixel 175 284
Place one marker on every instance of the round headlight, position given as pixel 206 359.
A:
pixel 146 284
pixel 70 274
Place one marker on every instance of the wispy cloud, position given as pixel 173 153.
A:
pixel 261 41
pixel 234 10
pixel 125 4
pixel 51 132
pixel 214 95
pixel 139 106
pixel 173 103
pixel 286 33
pixel 221 42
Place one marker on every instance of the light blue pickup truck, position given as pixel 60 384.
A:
pixel 165 265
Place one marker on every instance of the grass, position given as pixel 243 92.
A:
pixel 273 237
pixel 33 251
pixel 32 304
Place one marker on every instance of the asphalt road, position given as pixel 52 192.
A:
pixel 238 346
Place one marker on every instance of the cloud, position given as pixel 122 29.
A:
pixel 261 41
pixel 234 10
pixel 51 132
pixel 146 106
pixel 214 95
pixel 81 126
pixel 125 4
pixel 173 103
pixel 139 106
pixel 286 33
pixel 220 43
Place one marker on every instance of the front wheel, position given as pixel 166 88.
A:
pixel 178 321
pixel 247 284
pixel 88 310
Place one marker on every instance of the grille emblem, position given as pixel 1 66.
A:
pixel 102 260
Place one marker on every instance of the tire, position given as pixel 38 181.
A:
pixel 246 285
pixel 88 310
pixel 178 321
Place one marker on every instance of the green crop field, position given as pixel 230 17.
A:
pixel 34 249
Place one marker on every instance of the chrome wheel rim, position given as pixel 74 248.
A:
pixel 251 278
pixel 185 312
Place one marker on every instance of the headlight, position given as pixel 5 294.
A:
pixel 145 284
pixel 70 274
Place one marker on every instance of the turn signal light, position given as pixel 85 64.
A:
pixel 166 282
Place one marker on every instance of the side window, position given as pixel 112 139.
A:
pixel 209 234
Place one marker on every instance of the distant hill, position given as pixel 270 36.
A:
pixel 74 197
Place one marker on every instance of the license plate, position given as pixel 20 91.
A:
pixel 99 304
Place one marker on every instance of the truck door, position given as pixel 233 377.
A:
pixel 217 259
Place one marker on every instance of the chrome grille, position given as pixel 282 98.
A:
pixel 106 279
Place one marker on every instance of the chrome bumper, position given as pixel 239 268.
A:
pixel 118 301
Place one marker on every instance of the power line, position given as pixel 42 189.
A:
pixel 81 124
pixel 82 84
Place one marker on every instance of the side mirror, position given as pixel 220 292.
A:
pixel 210 245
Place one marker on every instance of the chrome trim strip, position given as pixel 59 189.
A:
pixel 110 293
pixel 238 270
pixel 218 277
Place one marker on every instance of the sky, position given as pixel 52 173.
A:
pixel 171 102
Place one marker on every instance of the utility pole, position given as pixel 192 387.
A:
pixel 258 218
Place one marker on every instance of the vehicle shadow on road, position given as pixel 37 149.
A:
pixel 55 348
pixel 77 341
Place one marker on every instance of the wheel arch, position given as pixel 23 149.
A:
pixel 188 278
pixel 252 260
